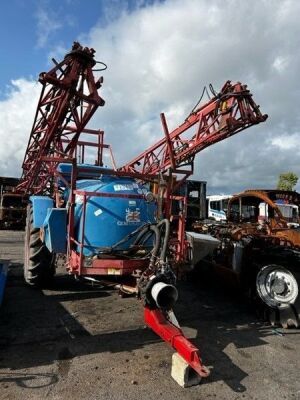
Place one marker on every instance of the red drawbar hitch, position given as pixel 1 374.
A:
pixel 173 335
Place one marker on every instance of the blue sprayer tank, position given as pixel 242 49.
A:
pixel 109 219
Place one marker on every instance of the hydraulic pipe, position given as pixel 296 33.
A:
pixel 164 295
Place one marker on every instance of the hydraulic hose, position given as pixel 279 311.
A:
pixel 161 233
pixel 156 246
pixel 165 222
pixel 141 236
pixel 130 235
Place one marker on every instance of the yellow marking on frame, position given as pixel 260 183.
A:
pixel 113 271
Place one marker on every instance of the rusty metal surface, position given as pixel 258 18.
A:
pixel 275 230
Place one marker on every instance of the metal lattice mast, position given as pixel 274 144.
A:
pixel 68 99
pixel 229 112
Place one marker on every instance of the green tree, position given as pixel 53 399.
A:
pixel 287 181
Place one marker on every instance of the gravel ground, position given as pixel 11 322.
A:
pixel 74 341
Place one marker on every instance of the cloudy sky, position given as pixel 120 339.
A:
pixel 160 55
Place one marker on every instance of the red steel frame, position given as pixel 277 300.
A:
pixel 228 113
pixel 77 264
pixel 68 99
pixel 173 335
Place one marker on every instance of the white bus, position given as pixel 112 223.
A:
pixel 217 206
pixel 290 212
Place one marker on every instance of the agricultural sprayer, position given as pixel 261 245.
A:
pixel 117 221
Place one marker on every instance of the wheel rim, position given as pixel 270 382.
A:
pixel 276 286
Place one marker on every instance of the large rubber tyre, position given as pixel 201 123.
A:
pixel 39 266
pixel 287 316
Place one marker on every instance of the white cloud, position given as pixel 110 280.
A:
pixel 280 63
pixel 16 116
pixel 47 23
pixel 159 58
pixel 287 142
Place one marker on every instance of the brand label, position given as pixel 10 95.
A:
pixel 98 212
pixel 118 188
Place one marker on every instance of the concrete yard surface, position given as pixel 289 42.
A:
pixel 77 341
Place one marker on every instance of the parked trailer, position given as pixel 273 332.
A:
pixel 261 256
pixel 105 221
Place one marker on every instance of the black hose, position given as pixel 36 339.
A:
pixel 141 235
pixel 144 238
pixel 211 88
pixel 161 232
pixel 156 246
pixel 200 99
pixel 166 223
pixel 129 236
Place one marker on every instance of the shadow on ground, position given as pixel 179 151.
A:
pixel 38 329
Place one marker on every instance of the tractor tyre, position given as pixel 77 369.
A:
pixel 39 266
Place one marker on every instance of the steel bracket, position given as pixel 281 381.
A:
pixel 173 335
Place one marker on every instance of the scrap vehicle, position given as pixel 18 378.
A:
pixel 260 251
pixel 12 205
pixel 195 194
pixel 288 204
pixel 216 208
pixel 105 220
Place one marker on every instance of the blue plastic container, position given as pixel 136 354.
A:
pixel 109 219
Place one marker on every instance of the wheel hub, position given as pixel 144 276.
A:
pixel 276 286
pixel 279 286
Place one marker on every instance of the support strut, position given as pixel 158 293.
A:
pixel 173 335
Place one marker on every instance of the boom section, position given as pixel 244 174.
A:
pixel 69 98
pixel 227 113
